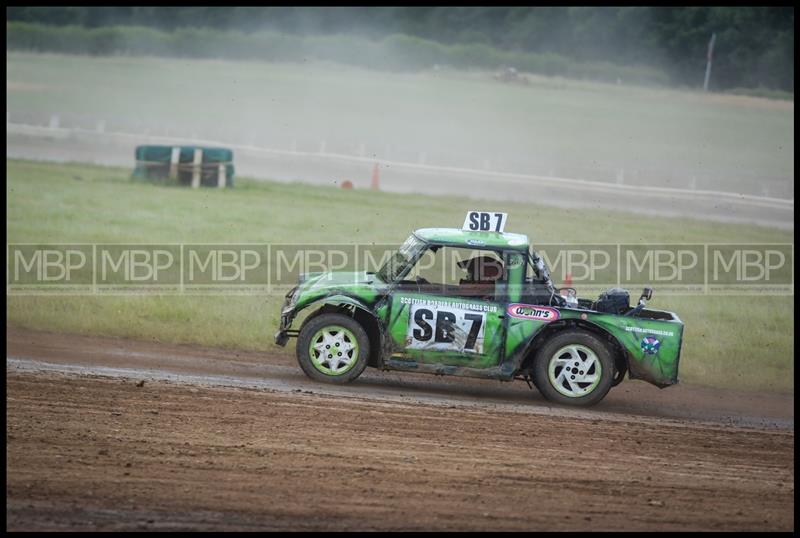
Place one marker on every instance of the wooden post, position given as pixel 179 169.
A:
pixel 221 176
pixel 173 163
pixel 197 163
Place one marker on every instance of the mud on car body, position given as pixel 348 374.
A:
pixel 504 319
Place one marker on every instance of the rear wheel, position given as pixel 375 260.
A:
pixel 574 367
pixel 332 348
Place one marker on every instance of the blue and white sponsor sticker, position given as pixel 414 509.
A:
pixel 650 345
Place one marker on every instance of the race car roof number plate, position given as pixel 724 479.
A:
pixel 485 221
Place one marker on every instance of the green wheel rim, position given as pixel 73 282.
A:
pixel 333 350
pixel 574 371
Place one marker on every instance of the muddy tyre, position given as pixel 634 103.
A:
pixel 332 348
pixel 574 367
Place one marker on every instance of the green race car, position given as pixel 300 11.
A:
pixel 499 316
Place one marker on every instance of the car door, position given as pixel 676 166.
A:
pixel 446 323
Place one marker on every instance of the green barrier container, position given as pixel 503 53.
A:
pixel 185 165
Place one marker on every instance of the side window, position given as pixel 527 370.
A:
pixel 459 272
pixel 516 266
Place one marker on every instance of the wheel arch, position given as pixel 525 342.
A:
pixel 618 352
pixel 342 304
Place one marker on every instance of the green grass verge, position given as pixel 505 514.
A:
pixel 744 342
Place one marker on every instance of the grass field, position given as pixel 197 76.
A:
pixel 552 126
pixel 746 342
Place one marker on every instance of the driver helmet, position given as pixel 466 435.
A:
pixel 482 269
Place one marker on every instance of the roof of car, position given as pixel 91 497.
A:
pixel 455 236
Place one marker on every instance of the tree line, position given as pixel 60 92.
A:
pixel 754 45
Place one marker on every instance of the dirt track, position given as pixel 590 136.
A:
pixel 225 440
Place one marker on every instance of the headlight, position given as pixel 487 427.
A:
pixel 291 300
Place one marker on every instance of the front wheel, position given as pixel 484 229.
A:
pixel 574 367
pixel 332 348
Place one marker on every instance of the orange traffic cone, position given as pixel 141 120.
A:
pixel 376 178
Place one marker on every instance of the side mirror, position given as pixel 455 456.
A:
pixel 647 294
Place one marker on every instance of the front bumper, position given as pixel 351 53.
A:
pixel 281 337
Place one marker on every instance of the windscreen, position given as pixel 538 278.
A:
pixel 398 262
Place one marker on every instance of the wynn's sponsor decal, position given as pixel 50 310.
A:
pixel 528 311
